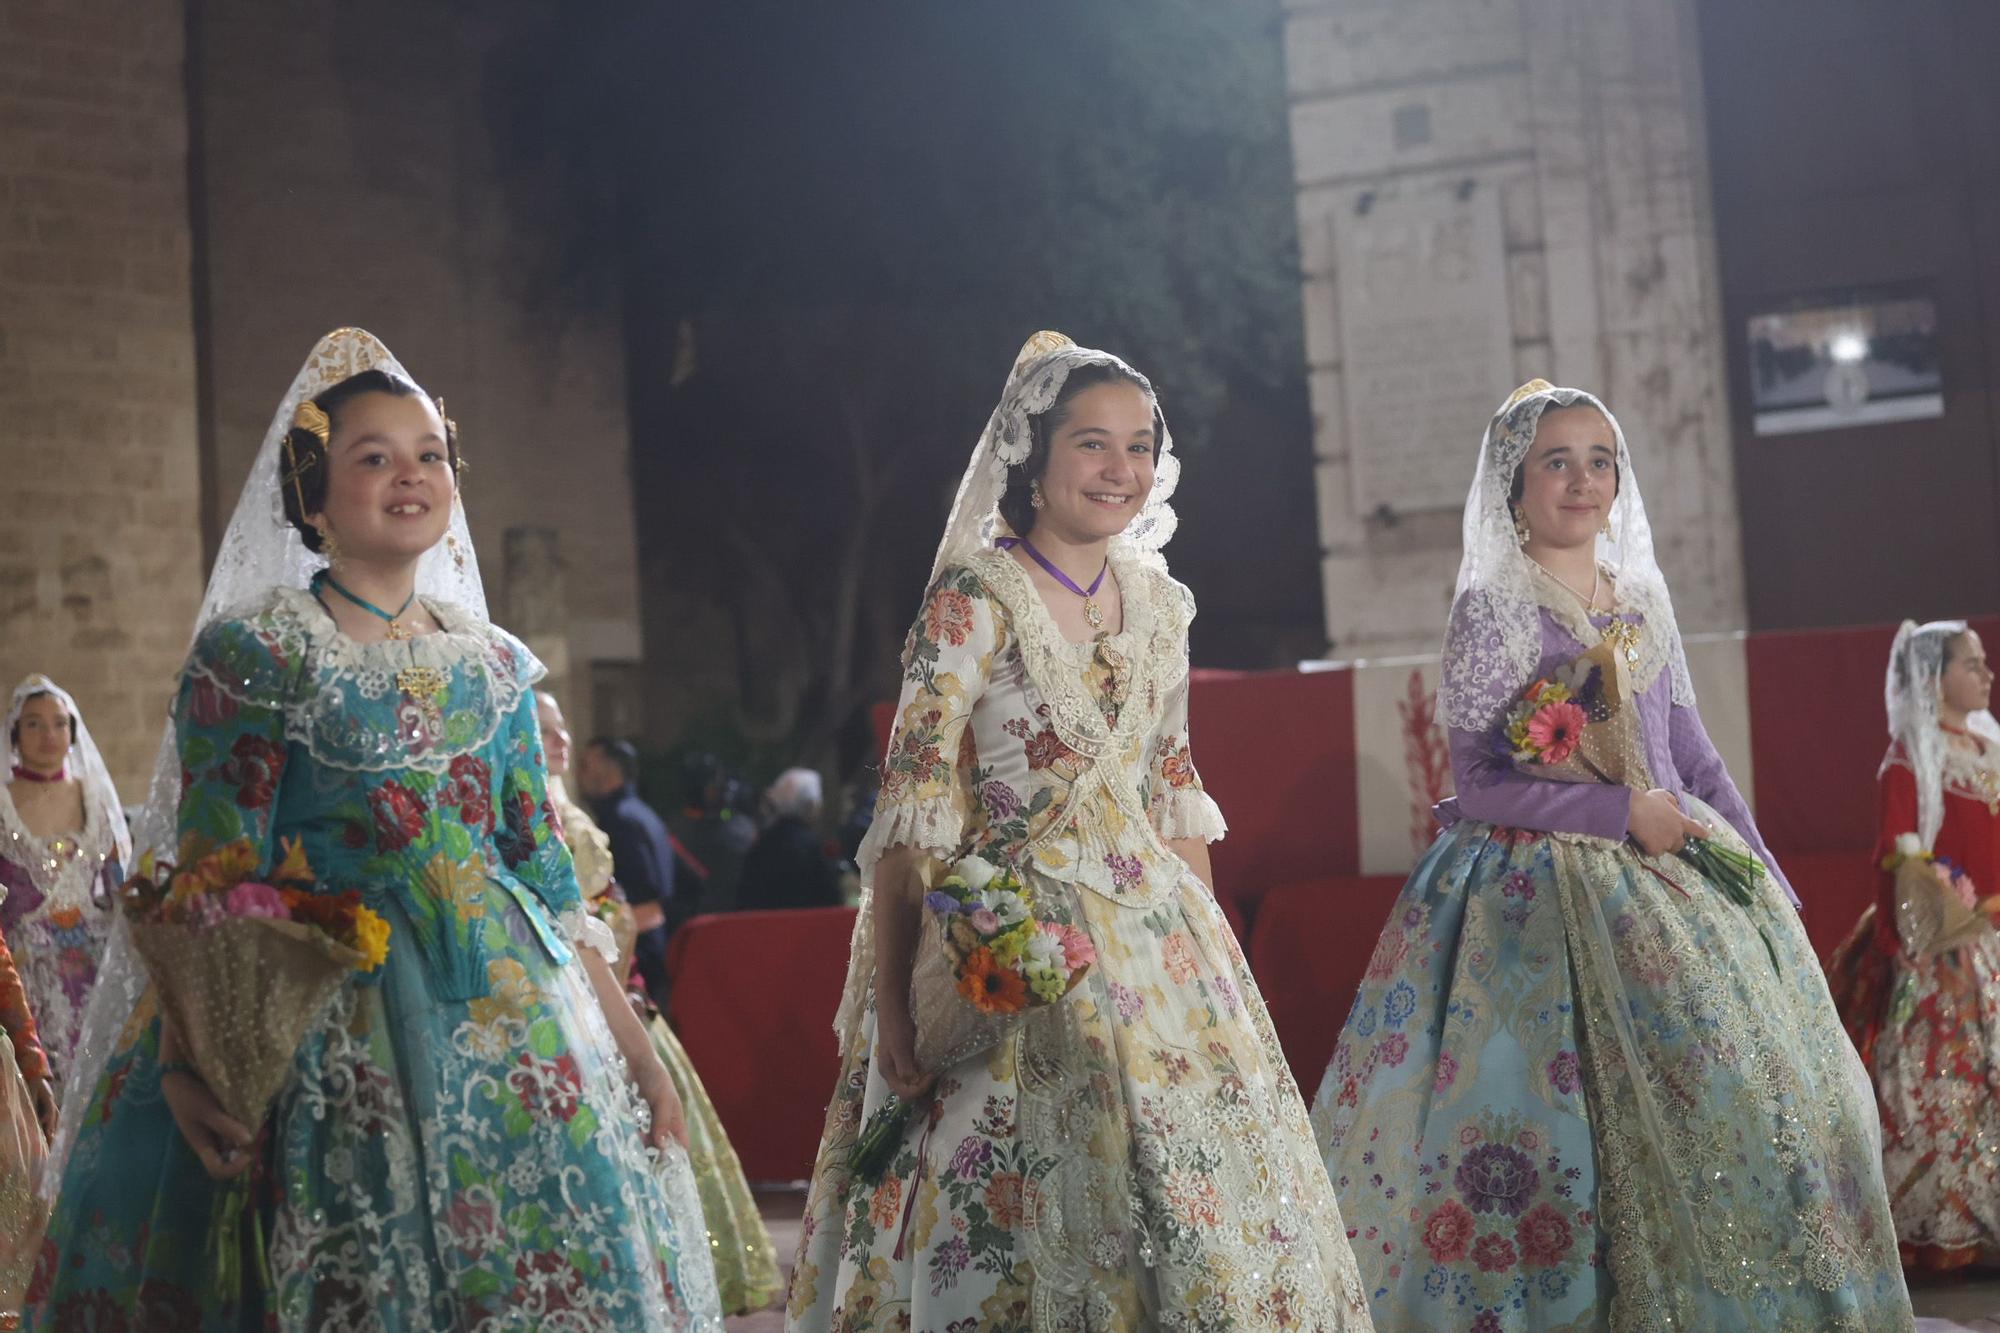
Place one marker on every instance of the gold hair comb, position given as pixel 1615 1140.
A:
pixel 312 417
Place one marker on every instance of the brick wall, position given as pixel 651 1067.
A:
pixel 100 553
pixel 366 194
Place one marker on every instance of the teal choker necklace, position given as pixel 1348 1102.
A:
pixel 397 630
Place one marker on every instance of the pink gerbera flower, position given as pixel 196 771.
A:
pixel 1554 731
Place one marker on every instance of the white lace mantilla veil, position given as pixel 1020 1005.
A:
pixel 1495 640
pixel 1043 365
pixel 1910 695
pixel 260 551
pixel 100 795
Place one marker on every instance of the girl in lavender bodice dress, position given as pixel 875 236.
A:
pixel 1581 1086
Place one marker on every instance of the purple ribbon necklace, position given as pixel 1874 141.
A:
pixel 1093 614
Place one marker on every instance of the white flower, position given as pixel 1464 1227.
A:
pixel 1045 951
pixel 976 871
pixel 1005 904
pixel 1909 844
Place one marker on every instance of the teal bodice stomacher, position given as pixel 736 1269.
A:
pixel 410 770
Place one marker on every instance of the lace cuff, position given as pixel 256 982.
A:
pixel 1188 812
pixel 931 824
pixel 582 929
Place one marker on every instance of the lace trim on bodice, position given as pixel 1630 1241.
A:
pixel 64 868
pixel 354 706
pixel 1965 773
pixel 1654 650
pixel 1154 625
pixel 1105 809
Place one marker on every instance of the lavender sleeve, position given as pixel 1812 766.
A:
pixel 1703 774
pixel 1489 787
pixel 1492 790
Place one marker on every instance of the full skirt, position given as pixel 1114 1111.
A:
pixel 1134 1157
pixel 433 1164
pixel 1929 1032
pixel 1581 1089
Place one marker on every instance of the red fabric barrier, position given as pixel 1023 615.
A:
pixel 1835 887
pixel 753 1002
pixel 1276 750
pixel 1309 948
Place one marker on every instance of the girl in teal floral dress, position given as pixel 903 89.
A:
pixel 477 1135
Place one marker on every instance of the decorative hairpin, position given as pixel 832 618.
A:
pixel 458 463
pixel 312 417
pixel 295 471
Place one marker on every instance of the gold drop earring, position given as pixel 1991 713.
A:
pixel 328 547
pixel 1035 495
pixel 1521 533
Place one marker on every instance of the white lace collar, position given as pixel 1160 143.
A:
pixel 1152 641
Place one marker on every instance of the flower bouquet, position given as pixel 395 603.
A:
pixel 1573 726
pixel 243 968
pixel 988 953
pixel 1937 904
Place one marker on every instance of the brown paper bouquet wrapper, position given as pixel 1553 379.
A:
pixel 1610 749
pixel 949 1027
pixel 242 995
pixel 1930 917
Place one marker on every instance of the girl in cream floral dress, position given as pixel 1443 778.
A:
pixel 1136 1156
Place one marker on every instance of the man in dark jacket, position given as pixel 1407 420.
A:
pixel 642 857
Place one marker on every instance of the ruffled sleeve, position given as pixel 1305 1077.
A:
pixel 925 796
pixel 1180 806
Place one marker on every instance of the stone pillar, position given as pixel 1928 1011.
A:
pixel 100 525
pixel 1583 118
pixel 535 606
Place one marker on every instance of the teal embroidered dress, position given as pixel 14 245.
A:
pixel 459 1147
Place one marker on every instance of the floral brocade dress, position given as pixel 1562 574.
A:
pixel 1928 1027
pixel 1577 1090
pixel 55 906
pixel 458 1147
pixel 1136 1156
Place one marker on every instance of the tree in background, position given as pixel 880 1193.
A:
pixel 830 227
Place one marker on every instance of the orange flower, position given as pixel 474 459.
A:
pixel 886 1203
pixel 991 987
pixel 292 868
pixel 1003 1200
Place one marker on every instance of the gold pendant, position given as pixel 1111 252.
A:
pixel 1624 636
pixel 397 631
pixel 1093 614
pixel 421 682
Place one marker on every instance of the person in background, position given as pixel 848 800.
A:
pixel 608 773
pixel 1919 993
pixel 746 1261
pixel 716 828
pixel 788 865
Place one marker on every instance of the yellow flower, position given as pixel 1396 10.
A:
pixel 371 937
pixel 1007 948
